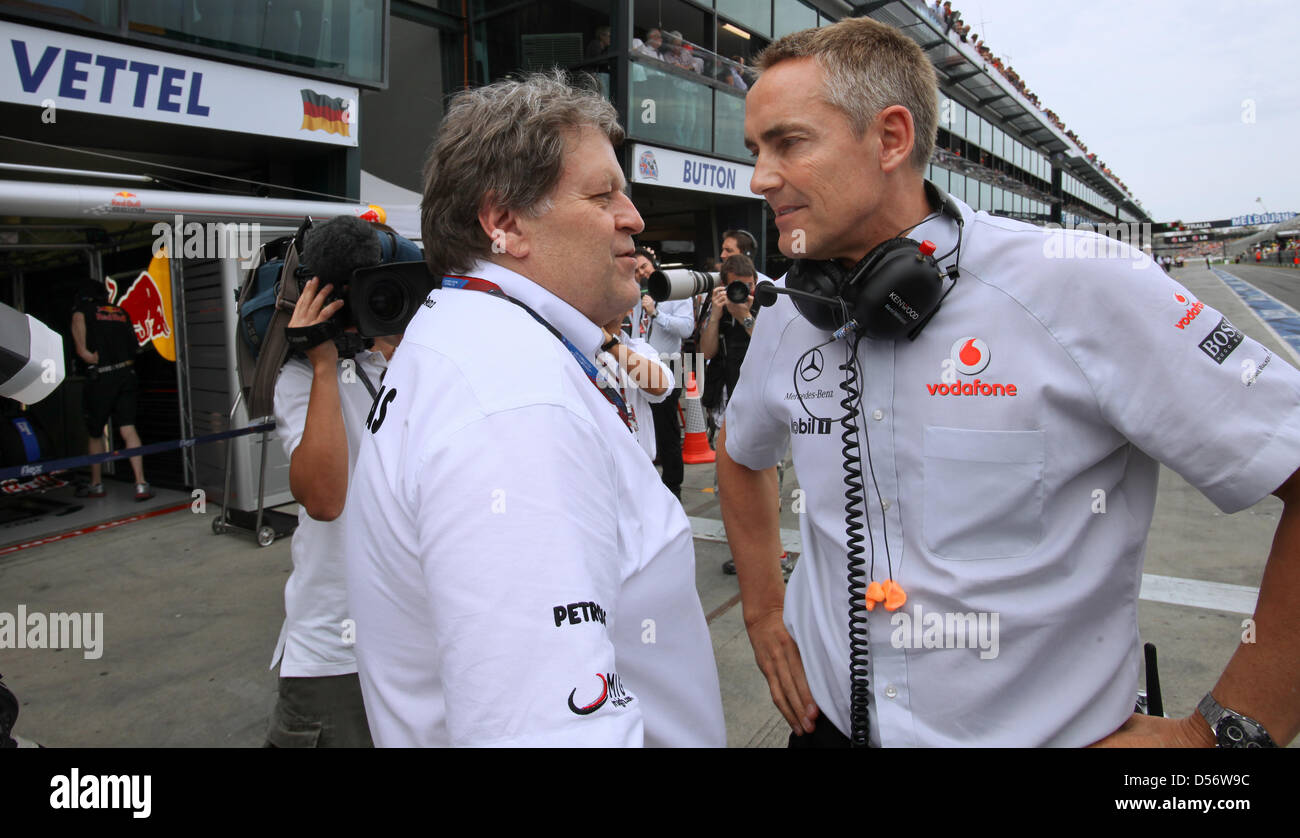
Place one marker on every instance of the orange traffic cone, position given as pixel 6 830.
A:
pixel 695 448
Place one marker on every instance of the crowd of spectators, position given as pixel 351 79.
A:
pixel 952 22
pixel 671 48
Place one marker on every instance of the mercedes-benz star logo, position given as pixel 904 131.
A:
pixel 813 367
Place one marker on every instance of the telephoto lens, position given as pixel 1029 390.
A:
pixel 681 284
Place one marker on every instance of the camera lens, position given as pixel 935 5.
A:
pixel 387 299
pixel 737 291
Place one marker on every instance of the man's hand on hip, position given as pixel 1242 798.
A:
pixel 1142 731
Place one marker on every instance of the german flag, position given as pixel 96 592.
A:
pixel 324 113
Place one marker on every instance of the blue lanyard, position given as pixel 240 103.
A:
pixel 469 283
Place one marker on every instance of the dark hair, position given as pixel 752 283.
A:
pixel 737 266
pixel 92 291
pixel 744 240
pixel 641 251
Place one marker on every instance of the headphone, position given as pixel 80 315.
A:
pixel 744 240
pixel 890 293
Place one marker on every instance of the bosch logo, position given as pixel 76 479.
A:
pixel 970 355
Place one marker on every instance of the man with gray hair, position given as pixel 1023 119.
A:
pixel 984 442
pixel 518 574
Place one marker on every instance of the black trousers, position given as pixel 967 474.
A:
pixel 668 441
pixel 824 735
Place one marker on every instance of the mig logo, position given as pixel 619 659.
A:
pixel 611 690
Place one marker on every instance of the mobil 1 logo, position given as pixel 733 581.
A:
pixel 1220 342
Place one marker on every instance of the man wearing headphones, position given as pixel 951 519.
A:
pixel 979 441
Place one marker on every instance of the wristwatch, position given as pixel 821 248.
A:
pixel 748 322
pixel 1231 729
pixel 609 345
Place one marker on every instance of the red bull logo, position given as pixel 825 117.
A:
pixel 144 302
pixel 125 199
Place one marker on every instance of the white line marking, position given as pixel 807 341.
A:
pixel 1171 590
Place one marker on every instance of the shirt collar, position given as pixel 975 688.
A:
pixel 570 322
pixel 942 230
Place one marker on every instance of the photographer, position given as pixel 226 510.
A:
pixel 321 405
pixel 724 339
pixel 518 574
pixel 664 326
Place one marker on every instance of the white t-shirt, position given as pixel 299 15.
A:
pixel 311 640
pixel 518 573
pixel 637 398
pixel 1013 463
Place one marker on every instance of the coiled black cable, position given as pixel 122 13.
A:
pixel 859 670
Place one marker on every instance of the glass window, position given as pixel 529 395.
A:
pixel 957 186
pixel 986 196
pixel 338 37
pixel 972 126
pixel 752 14
pixel 958 120
pixel 669 108
pixel 986 135
pixel 101 12
pixel 997 142
pixel 939 175
pixel 791 16
pixel 729 125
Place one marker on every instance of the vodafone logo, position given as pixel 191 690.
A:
pixel 970 355
pixel 1182 299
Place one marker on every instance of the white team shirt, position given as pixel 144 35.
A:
pixel 987 501
pixel 517 572
pixel 315 597
pixel 638 399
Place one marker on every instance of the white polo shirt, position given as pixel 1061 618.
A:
pixel 518 573
pixel 311 640
pixel 1014 445
pixel 638 399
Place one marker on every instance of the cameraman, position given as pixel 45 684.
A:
pixel 321 404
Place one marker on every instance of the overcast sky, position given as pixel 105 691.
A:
pixel 1156 89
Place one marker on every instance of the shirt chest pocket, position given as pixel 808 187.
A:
pixel 983 492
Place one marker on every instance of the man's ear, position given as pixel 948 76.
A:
pixel 897 136
pixel 502 227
